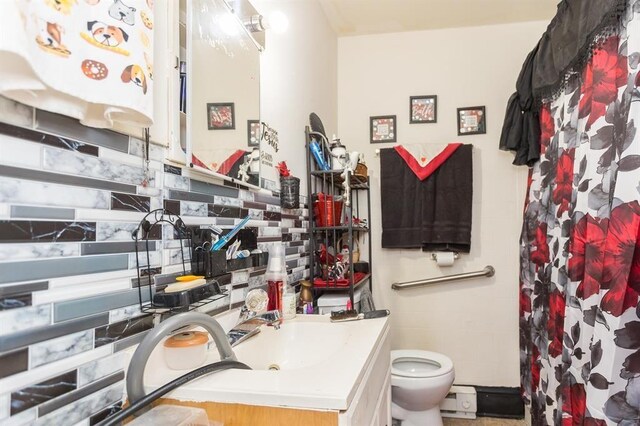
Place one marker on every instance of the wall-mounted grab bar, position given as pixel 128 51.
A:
pixel 488 271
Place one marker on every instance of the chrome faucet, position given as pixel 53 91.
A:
pixel 135 373
pixel 249 324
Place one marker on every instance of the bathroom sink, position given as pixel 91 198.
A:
pixel 296 345
pixel 309 362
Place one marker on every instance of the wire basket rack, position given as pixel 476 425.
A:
pixel 145 229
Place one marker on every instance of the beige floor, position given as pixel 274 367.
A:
pixel 483 421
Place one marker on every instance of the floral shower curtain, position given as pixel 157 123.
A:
pixel 580 271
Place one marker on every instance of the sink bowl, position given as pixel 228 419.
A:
pixel 294 346
pixel 309 362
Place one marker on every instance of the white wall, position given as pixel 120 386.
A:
pixel 474 322
pixel 298 76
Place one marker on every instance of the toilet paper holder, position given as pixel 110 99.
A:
pixel 434 255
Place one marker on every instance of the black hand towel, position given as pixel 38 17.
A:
pixel 434 214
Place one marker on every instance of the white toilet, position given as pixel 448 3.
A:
pixel 420 380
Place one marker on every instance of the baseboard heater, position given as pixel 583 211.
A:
pixel 461 402
pixel 469 402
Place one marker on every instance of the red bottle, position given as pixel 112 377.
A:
pixel 276 277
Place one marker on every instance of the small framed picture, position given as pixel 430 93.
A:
pixel 472 121
pixel 423 109
pixel 220 116
pixel 253 132
pixel 383 129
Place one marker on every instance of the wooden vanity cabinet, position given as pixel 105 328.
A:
pixel 371 403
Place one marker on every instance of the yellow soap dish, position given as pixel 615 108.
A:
pixel 184 278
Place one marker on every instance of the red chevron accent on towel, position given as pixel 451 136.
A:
pixel 423 172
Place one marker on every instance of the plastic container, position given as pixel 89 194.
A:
pixel 173 415
pixel 316 150
pixel 289 192
pixel 330 302
pixel 328 210
pixel 276 278
pixel 186 351
pixel 289 302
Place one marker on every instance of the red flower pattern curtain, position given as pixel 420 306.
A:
pixel 580 247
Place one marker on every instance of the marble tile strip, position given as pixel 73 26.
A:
pixel 81 165
pixel 212 189
pixel 246 196
pixel 118 331
pixel 109 411
pixel 42 392
pixel 45 333
pixel 38 175
pixel 121 231
pixel 32 212
pixel 55 268
pixel 61 347
pixel 115 247
pixel 37 251
pixel 227 211
pixel 173 170
pixel 36 231
pixel 156 152
pixel 5 405
pixel 269 215
pixel 266 198
pixel 16 113
pixel 226 201
pixel 252 205
pixel 129 202
pixel 77 308
pixel 127 342
pixel 172 206
pixel 27 417
pixel 72 128
pixel 224 221
pixel 82 392
pixel 16 301
pixel 13 362
pixel 19 320
pixel 12 289
pixel 43 138
pixel 20 153
pixel 95 370
pixel 85 407
pixel 176 182
pixel 20 191
pixel 192 208
pixel 124 313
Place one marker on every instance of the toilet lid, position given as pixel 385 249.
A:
pixel 419 364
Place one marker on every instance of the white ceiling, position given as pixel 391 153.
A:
pixel 358 17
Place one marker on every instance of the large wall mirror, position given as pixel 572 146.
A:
pixel 223 101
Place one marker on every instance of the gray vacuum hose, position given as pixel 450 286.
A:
pixel 117 418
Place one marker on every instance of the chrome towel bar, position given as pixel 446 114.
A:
pixel 488 271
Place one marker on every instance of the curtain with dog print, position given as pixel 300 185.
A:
pixel 87 59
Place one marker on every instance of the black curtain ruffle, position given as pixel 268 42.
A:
pixel 562 52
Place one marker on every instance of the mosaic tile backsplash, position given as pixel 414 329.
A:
pixel 70 197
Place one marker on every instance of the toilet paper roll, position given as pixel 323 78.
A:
pixel 445 258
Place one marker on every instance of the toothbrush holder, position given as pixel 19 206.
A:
pixel 208 263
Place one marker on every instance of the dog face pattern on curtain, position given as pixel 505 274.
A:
pixel 580 248
pixel 97 53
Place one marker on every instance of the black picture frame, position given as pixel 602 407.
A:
pixel 224 118
pixel 419 111
pixel 378 134
pixel 253 132
pixel 465 124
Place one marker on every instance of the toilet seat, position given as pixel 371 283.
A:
pixel 419 364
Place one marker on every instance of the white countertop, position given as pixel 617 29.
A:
pixel 321 364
